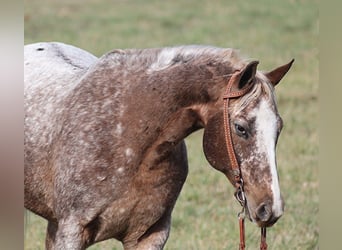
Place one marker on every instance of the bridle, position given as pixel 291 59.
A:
pixel 235 167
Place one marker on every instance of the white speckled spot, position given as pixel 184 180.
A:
pixel 101 178
pixel 119 129
pixel 128 152
pixel 120 170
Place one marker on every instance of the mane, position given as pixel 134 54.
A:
pixel 168 57
pixel 153 60
pixel 158 59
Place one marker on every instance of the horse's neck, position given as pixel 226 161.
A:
pixel 183 107
pixel 153 111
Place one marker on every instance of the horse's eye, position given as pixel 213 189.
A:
pixel 240 131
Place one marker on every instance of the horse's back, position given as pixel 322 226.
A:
pixel 51 72
pixel 46 63
pixel 56 52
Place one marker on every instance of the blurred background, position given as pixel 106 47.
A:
pixel 273 32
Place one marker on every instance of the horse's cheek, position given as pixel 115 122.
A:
pixel 213 146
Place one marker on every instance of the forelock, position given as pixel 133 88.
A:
pixel 262 89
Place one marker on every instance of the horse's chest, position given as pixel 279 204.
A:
pixel 151 194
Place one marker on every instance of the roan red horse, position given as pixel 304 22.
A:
pixel 104 138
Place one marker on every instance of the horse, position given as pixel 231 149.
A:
pixel 105 155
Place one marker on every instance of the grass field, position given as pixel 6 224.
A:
pixel 271 31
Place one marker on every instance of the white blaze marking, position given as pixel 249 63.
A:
pixel 266 124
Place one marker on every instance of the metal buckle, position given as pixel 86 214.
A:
pixel 242 213
pixel 240 194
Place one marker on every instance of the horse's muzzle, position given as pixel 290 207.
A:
pixel 265 216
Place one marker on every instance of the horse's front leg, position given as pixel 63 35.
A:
pixel 50 235
pixel 155 237
pixel 64 236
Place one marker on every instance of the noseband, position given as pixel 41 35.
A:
pixel 235 167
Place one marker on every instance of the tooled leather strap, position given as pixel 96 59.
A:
pixel 229 94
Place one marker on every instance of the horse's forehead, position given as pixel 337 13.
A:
pixel 265 108
pixel 266 118
pixel 263 118
pixel 259 103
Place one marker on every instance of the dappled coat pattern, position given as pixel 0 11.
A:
pixel 104 138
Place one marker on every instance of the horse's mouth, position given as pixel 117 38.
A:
pixel 269 223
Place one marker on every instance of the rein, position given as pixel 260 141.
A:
pixel 239 193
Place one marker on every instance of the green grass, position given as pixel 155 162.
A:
pixel 271 31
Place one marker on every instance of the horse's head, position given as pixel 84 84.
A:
pixel 255 126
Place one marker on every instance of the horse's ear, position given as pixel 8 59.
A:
pixel 277 74
pixel 248 74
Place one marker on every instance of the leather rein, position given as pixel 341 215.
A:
pixel 239 193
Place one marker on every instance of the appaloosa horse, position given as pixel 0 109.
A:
pixel 104 138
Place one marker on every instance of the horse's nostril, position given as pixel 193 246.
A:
pixel 264 212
